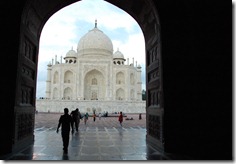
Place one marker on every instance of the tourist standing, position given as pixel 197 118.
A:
pixel 94 117
pixel 140 116
pixel 65 122
pixel 120 119
pixel 86 118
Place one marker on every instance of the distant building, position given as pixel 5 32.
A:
pixel 93 78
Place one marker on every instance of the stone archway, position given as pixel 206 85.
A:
pixel 94 85
pixel 34 16
pixel 193 43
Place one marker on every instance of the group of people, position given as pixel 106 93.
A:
pixel 68 121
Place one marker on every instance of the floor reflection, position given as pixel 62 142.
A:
pixel 91 144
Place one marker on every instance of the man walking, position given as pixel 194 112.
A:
pixel 76 118
pixel 65 122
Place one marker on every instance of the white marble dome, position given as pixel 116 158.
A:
pixel 118 55
pixel 95 42
pixel 71 53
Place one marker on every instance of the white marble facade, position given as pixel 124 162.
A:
pixel 93 77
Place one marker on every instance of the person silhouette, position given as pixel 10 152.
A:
pixel 76 116
pixel 140 116
pixel 66 123
pixel 94 117
pixel 86 118
pixel 120 119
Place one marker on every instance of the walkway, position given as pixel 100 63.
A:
pixel 103 139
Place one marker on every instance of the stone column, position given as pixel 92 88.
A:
pixel 48 82
pixel 139 84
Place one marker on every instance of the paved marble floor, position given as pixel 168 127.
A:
pixel 91 144
pixel 103 140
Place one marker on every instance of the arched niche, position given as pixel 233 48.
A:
pixel 120 94
pixel 68 77
pixel 94 85
pixel 67 95
pixel 120 78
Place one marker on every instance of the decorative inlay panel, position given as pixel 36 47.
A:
pixel 154 75
pixel 88 68
pixel 28 72
pixel 26 95
pixel 148 22
pixel 153 56
pixel 29 50
pixel 153 98
pixel 25 125
pixel 154 126
pixel 33 21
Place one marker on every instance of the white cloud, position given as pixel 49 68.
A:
pixel 108 15
pixel 64 29
pixel 133 47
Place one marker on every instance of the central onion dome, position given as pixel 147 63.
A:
pixel 95 42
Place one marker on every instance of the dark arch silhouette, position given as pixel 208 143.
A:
pixel 188 46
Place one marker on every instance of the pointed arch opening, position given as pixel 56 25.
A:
pixel 94 85
pixel 68 93
pixel 68 77
pixel 55 93
pixel 34 18
pixel 120 78
pixel 56 78
pixel 120 94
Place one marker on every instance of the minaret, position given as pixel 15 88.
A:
pixel 48 81
pixel 139 83
pixel 55 59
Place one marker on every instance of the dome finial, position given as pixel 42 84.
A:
pixel 95 23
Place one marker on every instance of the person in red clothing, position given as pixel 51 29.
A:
pixel 120 119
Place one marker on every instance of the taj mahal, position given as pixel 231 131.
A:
pixel 93 78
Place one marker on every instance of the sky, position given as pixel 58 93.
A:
pixel 64 29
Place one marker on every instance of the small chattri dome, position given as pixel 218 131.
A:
pixel 118 55
pixel 139 66
pixel 71 53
